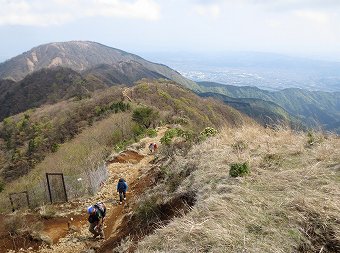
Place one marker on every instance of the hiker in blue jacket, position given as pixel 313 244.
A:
pixel 122 188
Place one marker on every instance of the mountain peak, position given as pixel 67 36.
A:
pixel 79 56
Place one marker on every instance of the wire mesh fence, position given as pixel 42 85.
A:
pixel 58 187
pixel 19 200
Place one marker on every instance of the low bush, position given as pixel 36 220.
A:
pixel 239 146
pixel 151 133
pixel 239 169
pixel 168 136
pixel 47 212
pixel 2 185
pixel 15 224
pixel 208 132
pixel 310 138
pixel 271 160
pixel 145 116
pixel 148 210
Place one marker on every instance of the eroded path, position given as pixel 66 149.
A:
pixel 133 165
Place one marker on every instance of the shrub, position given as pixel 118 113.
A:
pixel 138 130
pixel 151 133
pixel 148 210
pixel 208 132
pixel 168 136
pixel 98 110
pixel 2 185
pixel 239 169
pixel 271 160
pixel 310 138
pixel 47 212
pixel 239 146
pixel 117 135
pixel 55 147
pixel 15 224
pixel 174 180
pixel 180 120
pixel 145 116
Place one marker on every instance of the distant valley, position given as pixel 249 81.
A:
pixel 263 70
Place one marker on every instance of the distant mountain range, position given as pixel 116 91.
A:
pixel 315 109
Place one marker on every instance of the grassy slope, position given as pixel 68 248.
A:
pixel 289 202
pixel 264 112
pixel 175 102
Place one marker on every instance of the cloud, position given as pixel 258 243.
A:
pixel 208 10
pixel 293 5
pixel 317 17
pixel 57 12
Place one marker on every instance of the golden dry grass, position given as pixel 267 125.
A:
pixel 289 203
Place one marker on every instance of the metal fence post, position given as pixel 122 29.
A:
pixel 11 200
pixel 62 177
pixel 49 188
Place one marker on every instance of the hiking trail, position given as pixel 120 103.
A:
pixel 69 232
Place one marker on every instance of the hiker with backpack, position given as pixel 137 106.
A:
pixel 153 147
pixel 97 214
pixel 121 189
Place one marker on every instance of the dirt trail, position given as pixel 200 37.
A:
pixel 132 166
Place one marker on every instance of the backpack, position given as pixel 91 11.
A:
pixel 122 185
pixel 101 207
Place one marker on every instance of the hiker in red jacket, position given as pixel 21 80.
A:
pixel 153 147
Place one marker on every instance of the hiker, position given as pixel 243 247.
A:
pixel 122 188
pixel 153 147
pixel 97 214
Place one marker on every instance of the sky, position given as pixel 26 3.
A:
pixel 308 28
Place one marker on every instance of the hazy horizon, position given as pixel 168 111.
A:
pixel 302 28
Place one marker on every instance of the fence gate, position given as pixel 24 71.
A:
pixel 19 200
pixel 56 187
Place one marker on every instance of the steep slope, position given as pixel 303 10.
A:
pixel 287 203
pixel 264 112
pixel 121 72
pixel 79 56
pixel 314 108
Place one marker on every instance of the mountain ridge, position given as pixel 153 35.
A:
pixel 79 56
pixel 314 108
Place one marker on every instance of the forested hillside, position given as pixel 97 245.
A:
pixel 28 137
pixel 315 108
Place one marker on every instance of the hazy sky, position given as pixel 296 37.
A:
pixel 295 27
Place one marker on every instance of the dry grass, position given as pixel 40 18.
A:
pixel 290 202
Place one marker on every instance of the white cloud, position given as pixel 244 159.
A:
pixel 317 17
pixel 56 12
pixel 208 10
